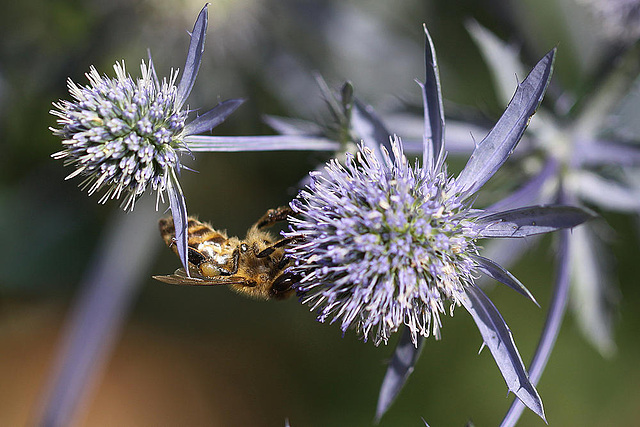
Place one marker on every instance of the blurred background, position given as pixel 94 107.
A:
pixel 206 356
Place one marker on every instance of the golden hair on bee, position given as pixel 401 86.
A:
pixel 255 266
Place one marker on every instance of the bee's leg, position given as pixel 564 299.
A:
pixel 234 265
pixel 280 243
pixel 195 259
pixel 199 260
pixel 194 256
pixel 282 286
pixel 272 216
pixel 284 262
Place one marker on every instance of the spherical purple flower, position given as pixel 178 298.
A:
pixel 379 243
pixel 126 135
pixel 122 134
pixel 385 245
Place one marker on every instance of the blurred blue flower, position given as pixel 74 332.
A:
pixel 590 154
pixel 620 19
pixel 586 152
pixel 125 135
pixel 380 243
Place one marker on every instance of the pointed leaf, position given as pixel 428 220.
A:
pixel 194 57
pixel 178 207
pixel 531 220
pixel 497 337
pixel 433 112
pixel 205 143
pixel 213 117
pixel 495 271
pixel 401 366
pixel 498 145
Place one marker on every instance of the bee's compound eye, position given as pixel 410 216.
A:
pixel 209 270
pixel 244 247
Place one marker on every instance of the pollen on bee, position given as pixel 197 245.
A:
pixel 209 270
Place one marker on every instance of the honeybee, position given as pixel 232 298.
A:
pixel 255 267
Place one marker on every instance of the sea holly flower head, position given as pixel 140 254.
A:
pixel 126 135
pixel 122 134
pixel 386 245
pixel 379 242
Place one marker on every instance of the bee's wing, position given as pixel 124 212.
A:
pixel 179 277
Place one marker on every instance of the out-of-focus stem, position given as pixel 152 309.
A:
pixel 94 322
